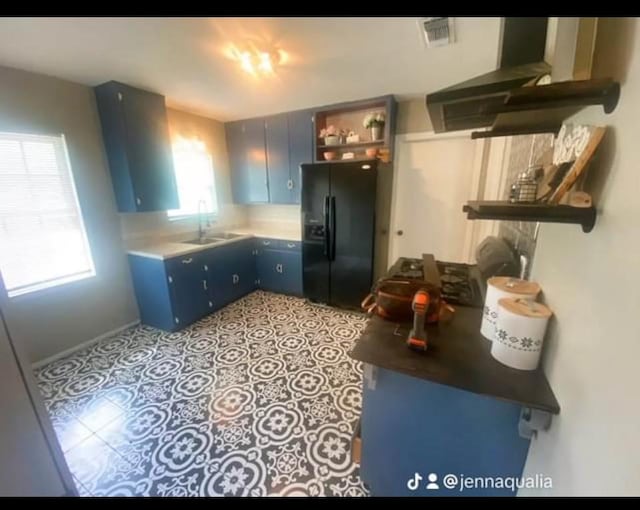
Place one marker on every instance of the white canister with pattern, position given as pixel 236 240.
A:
pixel 520 330
pixel 500 287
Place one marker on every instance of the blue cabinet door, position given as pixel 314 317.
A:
pixel 189 288
pixel 231 272
pixel 247 160
pixel 280 271
pixel 267 263
pixel 234 133
pixel 291 271
pixel 151 286
pixel 258 190
pixel 220 276
pixel 277 144
pixel 136 137
pixel 301 132
pixel 411 426
pixel 242 265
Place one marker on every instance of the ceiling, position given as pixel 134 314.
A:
pixel 329 59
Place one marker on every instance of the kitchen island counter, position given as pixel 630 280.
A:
pixel 458 356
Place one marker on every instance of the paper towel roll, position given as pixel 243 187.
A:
pixel 500 287
pixel 520 330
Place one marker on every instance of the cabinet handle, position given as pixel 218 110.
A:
pixel 291 245
pixel 236 279
pixel 210 304
pixel 176 320
pixel 279 268
pixel 266 243
pixel 206 267
pixel 289 184
pixel 187 261
pixel 204 284
pixel 138 201
pixel 119 96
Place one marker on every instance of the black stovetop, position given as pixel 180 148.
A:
pixel 460 283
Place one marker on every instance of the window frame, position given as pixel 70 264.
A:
pixel 38 287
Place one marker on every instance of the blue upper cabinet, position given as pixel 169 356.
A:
pixel 237 161
pixel 248 161
pixel 300 148
pixel 136 138
pixel 277 137
pixel 265 156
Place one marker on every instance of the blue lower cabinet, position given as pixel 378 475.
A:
pixel 176 292
pixel 171 293
pixel 414 427
pixel 280 271
pixel 189 288
pixel 231 270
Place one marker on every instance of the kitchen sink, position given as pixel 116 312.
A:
pixel 214 238
pixel 226 235
pixel 204 240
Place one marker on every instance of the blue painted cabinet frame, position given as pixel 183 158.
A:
pixel 410 426
pixel 136 138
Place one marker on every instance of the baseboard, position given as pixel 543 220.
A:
pixel 82 345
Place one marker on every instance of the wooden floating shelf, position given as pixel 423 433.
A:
pixel 348 145
pixel 544 213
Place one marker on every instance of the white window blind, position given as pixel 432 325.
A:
pixel 194 178
pixel 42 236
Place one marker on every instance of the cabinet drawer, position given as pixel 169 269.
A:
pixel 289 245
pixel 183 262
pixel 267 243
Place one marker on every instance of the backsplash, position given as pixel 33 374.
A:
pixel 526 150
pixel 157 224
pixel 262 213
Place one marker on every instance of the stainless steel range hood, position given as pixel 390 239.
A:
pixel 512 99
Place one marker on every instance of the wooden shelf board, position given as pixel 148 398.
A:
pixel 538 212
pixel 349 145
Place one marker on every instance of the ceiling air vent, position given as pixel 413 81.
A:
pixel 436 31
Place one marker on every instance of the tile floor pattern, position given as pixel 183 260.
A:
pixel 259 398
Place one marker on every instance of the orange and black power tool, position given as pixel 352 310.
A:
pixel 418 336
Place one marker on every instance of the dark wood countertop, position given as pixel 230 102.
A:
pixel 458 356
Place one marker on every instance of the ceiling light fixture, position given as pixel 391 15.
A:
pixel 257 62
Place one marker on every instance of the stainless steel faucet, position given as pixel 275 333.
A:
pixel 201 229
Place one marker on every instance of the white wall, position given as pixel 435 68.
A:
pixel 592 282
pixel 53 320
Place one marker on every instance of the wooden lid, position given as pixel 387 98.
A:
pixel 525 307
pixel 514 285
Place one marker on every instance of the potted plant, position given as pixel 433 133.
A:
pixel 374 122
pixel 331 135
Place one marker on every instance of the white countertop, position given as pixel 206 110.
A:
pixel 168 248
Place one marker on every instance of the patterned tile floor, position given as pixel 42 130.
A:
pixel 259 398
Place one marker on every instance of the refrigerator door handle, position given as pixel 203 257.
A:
pixel 325 212
pixel 332 213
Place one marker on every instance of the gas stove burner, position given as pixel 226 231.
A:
pixel 411 265
pixel 408 268
pixel 458 286
pixel 452 278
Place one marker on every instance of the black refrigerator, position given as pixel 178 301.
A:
pixel 338 221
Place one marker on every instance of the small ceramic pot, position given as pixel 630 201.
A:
pixel 332 140
pixel 329 155
pixel 371 152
